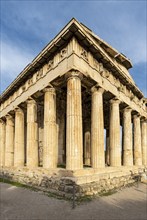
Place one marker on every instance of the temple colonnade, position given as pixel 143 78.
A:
pixel 134 130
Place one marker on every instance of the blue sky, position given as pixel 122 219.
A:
pixel 27 26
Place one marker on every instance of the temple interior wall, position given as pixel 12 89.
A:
pixel 61 128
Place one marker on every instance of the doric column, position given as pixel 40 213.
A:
pixel 19 138
pixel 107 160
pixel 115 147
pixel 137 141
pixel 74 136
pixel 127 138
pixel 144 141
pixel 2 142
pixel 32 133
pixel 87 144
pixel 50 148
pixel 97 128
pixel 9 150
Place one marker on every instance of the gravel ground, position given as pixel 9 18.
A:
pixel 23 204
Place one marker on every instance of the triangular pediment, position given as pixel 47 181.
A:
pixel 111 59
pixel 102 51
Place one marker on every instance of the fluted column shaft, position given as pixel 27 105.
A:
pixel 9 150
pixel 74 136
pixel 97 129
pixel 137 141
pixel 50 148
pixel 2 142
pixel 144 141
pixel 19 138
pixel 115 147
pixel 32 134
pixel 127 138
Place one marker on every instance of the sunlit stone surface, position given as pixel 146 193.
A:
pixel 54 117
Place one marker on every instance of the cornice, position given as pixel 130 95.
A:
pixel 73 28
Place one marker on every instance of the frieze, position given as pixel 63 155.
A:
pixel 20 91
pixel 101 68
pixel 115 81
pixel 84 54
pixel 39 74
pixel 135 99
pixel 118 82
pixel 50 64
pixel 91 60
pixel 14 95
pixel 6 102
pixel 108 75
pixel 96 64
pixel 30 81
pixel 105 73
pixel 63 53
pixel 121 88
pixel 131 96
pixel 2 106
pixel 11 98
pixel 23 88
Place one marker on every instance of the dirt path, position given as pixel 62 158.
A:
pixel 23 204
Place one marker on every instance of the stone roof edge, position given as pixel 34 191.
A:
pixel 51 44
pixel 116 52
pixel 35 60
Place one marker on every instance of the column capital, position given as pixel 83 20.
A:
pixel 127 109
pixel 136 116
pixel 144 120
pixel 8 116
pixel 73 74
pixel 115 101
pixel 50 89
pixel 30 100
pixel 2 121
pixel 97 88
pixel 18 109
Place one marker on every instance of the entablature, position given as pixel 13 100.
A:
pixel 94 73
pixel 75 55
pixel 87 40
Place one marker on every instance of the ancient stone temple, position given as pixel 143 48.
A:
pixel 74 115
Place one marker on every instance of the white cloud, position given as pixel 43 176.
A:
pixel 124 28
pixel 131 46
pixel 13 61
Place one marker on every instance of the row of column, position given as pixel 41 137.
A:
pixel 134 144
pixel 12 137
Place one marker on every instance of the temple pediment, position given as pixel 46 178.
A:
pixel 111 59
